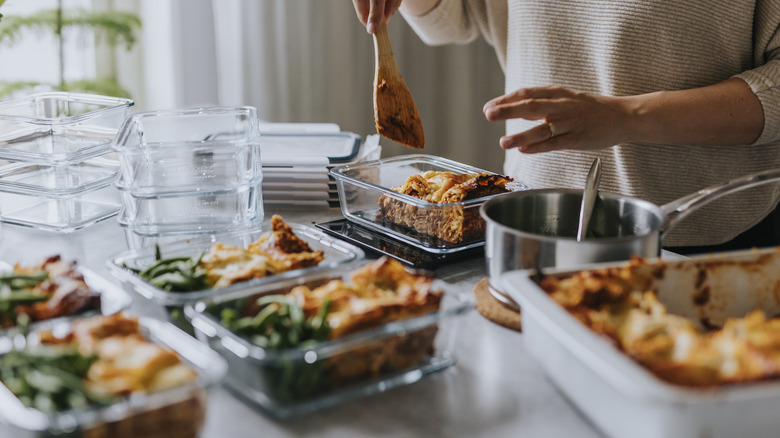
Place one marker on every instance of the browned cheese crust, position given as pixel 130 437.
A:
pixel 277 251
pixel 451 223
pixel 618 304
pixel 128 363
pixel 377 294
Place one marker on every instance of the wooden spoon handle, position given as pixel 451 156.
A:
pixel 383 50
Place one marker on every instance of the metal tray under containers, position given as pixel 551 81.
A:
pixel 59 128
pixel 169 305
pixel 362 185
pixel 623 398
pixel 272 379
pixel 183 407
pixel 183 152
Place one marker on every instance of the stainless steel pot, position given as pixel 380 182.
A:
pixel 538 228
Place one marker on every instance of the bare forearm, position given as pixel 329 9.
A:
pixel 727 113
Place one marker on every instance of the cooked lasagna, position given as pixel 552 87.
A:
pixel 50 289
pixel 277 251
pixel 379 293
pixel 618 304
pixel 451 222
pixel 119 362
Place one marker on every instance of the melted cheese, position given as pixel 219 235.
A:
pixel 610 302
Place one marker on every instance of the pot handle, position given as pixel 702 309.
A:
pixel 682 207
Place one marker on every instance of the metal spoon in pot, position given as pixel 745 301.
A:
pixel 589 197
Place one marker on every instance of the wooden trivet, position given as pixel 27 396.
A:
pixel 492 309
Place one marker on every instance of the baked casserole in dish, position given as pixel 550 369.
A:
pixel 672 347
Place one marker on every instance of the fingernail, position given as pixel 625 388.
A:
pixel 371 28
pixel 506 142
pixel 491 112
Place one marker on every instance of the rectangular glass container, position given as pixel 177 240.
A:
pixel 192 212
pixel 60 214
pixel 362 185
pixel 57 181
pixel 632 401
pixel 113 298
pixel 58 128
pixel 168 305
pixel 158 414
pixel 270 379
pixel 185 151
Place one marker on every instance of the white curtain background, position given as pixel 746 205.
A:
pixel 310 61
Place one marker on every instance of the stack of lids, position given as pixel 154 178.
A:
pixel 297 158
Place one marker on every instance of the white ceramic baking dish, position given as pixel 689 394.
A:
pixel 624 399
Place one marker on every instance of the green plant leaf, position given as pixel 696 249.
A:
pixel 115 26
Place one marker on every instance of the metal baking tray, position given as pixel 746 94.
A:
pixel 271 379
pixel 623 398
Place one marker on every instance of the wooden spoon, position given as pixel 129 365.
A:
pixel 395 113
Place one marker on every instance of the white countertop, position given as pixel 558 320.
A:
pixel 494 390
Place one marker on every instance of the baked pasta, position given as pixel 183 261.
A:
pixel 99 362
pixel 377 294
pixel 619 304
pixel 453 224
pixel 277 251
pixel 48 290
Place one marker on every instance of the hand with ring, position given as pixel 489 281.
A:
pixel 572 120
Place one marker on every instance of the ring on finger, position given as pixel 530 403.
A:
pixel 551 127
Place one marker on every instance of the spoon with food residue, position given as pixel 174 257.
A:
pixel 395 113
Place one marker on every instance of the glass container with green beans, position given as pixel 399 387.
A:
pixel 15 290
pixel 176 274
pixel 49 378
pixel 281 324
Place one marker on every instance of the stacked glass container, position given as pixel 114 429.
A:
pixel 54 170
pixel 185 172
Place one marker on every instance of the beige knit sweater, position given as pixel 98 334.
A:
pixel 627 47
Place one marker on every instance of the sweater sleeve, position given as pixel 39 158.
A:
pixel 462 21
pixel 764 79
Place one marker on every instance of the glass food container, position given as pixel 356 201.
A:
pixel 181 409
pixel 112 297
pixel 184 152
pixel 58 128
pixel 198 212
pixel 58 212
pixel 362 187
pixel 295 381
pixel 166 304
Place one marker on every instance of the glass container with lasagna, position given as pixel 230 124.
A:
pixel 105 376
pixel 301 344
pixel 171 275
pixel 683 348
pixel 54 288
pixel 429 202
